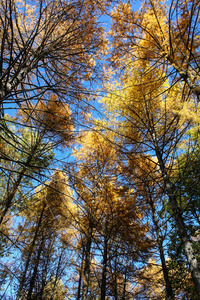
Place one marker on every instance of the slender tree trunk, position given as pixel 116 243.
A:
pixel 104 269
pixel 86 273
pixel 124 287
pixel 57 275
pixel 30 254
pixel 80 278
pixel 115 286
pixel 189 252
pixel 45 270
pixel 169 290
pixel 33 277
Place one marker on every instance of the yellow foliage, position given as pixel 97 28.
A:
pixel 53 116
pixel 59 196
pixel 150 281
pixel 55 199
pixel 109 204
pixel 162 38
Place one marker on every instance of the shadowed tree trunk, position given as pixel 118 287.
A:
pixel 35 270
pixel 80 277
pixel 86 272
pixel 169 290
pixel 29 255
pixel 124 287
pixel 171 193
pixel 104 269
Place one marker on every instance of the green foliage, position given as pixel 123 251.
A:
pixel 18 144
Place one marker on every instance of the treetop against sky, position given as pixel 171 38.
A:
pixel 99 149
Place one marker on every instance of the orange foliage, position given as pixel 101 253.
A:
pixel 53 117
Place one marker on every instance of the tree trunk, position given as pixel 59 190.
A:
pixel 30 254
pixel 86 273
pixel 104 269
pixel 7 201
pixel 57 276
pixel 115 282
pixel 80 278
pixel 124 287
pixel 189 252
pixel 33 277
pixel 47 262
pixel 169 290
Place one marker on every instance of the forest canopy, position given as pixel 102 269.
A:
pixel 99 149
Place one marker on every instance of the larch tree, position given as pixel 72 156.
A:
pixel 186 180
pixel 132 176
pixel 41 235
pixel 143 176
pixel 47 46
pixel 166 38
pixel 157 50
pixel 151 124
pixel 48 56
pixel 115 225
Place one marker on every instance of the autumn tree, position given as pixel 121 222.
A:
pixel 43 251
pixel 112 222
pixel 152 126
pixel 49 49
pixel 48 58
pixel 165 38
pixel 158 49
pixel 46 46
pixel 142 176
pixel 187 182
pixel 150 282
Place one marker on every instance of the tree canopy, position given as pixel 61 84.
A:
pixel 99 149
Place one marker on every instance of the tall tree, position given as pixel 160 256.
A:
pixel 149 124
pixel 142 176
pixel 111 213
pixel 153 40
pixel 186 180
pixel 41 236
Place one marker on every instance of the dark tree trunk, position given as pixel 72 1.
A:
pixel 57 276
pixel 169 290
pixel 124 287
pixel 86 272
pixel 104 269
pixel 80 278
pixel 46 265
pixel 34 275
pixel 115 282
pixel 30 254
